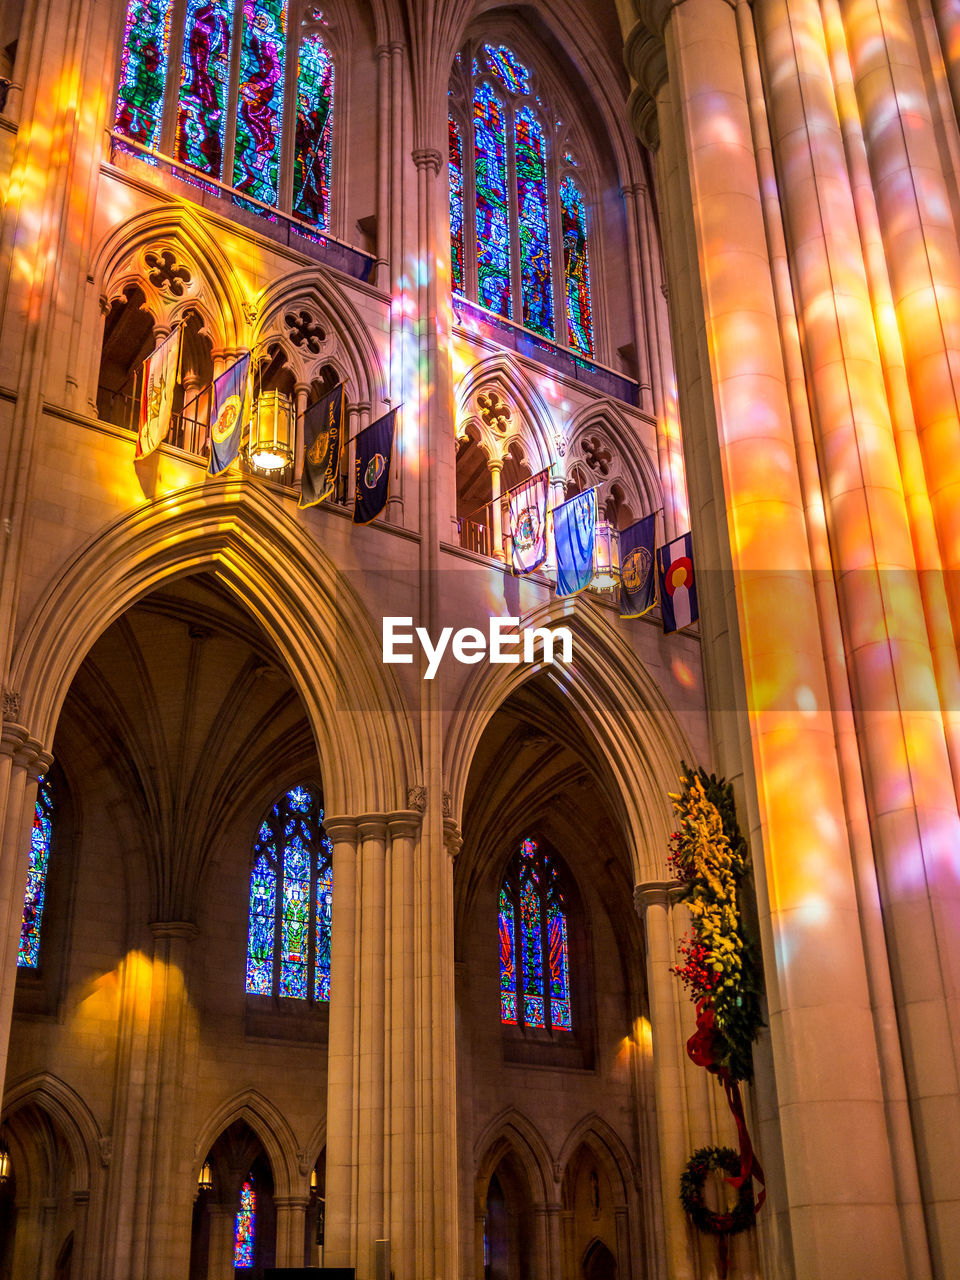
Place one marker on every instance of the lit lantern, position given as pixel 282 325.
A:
pixel 4 1165
pixel 271 431
pixel 606 557
pixel 205 1181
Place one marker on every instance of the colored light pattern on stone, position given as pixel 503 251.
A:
pixel 202 114
pixel 256 165
pixel 532 920
pixel 291 895
pixel 143 70
pixel 533 219
pixel 508 963
pixel 455 170
pixel 508 68
pixel 576 268
pixel 493 223
pixel 29 951
pixel 314 133
pixel 245 1227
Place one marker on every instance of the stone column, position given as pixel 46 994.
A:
pixel 496 512
pixel 220 1253
pixel 22 761
pixel 291 1229
pixel 300 393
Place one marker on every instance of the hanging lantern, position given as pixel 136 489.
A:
pixel 271 431
pixel 313 1182
pixel 205 1181
pixel 4 1164
pixel 606 557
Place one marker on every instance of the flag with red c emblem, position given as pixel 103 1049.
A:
pixel 678 590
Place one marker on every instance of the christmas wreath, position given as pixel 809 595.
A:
pixel 702 1162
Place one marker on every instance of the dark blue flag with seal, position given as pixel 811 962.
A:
pixel 227 419
pixel 322 443
pixel 638 582
pixel 575 533
pixel 374 451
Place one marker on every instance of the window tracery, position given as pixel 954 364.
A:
pixel 187 90
pixel 513 175
pixel 534 943
pixel 291 902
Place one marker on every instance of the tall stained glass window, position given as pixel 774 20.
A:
pixel 245 1227
pixel 534 946
pixel 291 902
pixel 576 267
pixel 530 216
pixel 30 921
pixel 456 205
pixel 225 90
pixel 493 223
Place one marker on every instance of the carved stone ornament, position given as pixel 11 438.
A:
pixel 494 410
pixel 598 456
pixel 165 274
pixel 305 331
pixel 106 1151
pixel 560 444
pixel 417 798
pixel 12 704
pixel 447 805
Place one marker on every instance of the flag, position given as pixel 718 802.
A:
pixel 156 397
pixel 574 532
pixel 322 442
pixel 638 586
pixel 528 524
pixel 678 590
pixel 374 450
pixel 226 430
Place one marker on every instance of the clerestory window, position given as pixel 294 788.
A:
pixel 534 943
pixel 518 213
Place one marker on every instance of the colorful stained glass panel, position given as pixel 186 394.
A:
pixel 532 948
pixel 201 118
pixel 245 1227
pixel 143 70
pixel 576 268
pixel 256 164
pixel 535 280
pixel 455 169
pixel 324 925
pixel 559 970
pixel 32 916
pixel 314 133
pixel 508 68
pixel 260 934
pixel 508 961
pixel 295 921
pixel 492 219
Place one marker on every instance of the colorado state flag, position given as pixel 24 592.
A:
pixel 322 442
pixel 226 427
pixel 374 451
pixel 678 590
pixel 574 532
pixel 638 584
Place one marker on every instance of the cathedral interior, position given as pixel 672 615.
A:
pixel 322 962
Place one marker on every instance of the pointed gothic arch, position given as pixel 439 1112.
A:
pixel 268 1124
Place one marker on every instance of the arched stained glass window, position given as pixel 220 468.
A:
pixel 536 286
pixel 245 1227
pixel 291 902
pixel 143 70
pixel 456 205
pixel 493 223
pixel 30 921
pixel 227 117
pixel 530 216
pixel 576 267
pixel 534 946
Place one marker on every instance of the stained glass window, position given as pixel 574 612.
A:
pixel 576 267
pixel 534 946
pixel 314 140
pixel 456 206
pixel 256 164
pixel 535 282
pixel 493 222
pixel 204 81
pixel 508 68
pixel 291 902
pixel 245 1227
pixel 29 952
pixel 143 70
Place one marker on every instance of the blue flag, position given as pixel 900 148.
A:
pixel 322 442
pixel 574 531
pixel 374 451
pixel 226 427
pixel 638 585
pixel 678 589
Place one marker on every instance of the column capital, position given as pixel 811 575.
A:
pixel 404 822
pixel 27 751
pixel 183 930
pixel 654 893
pixel 452 838
pixel 340 827
pixel 372 825
pixel 427 158
pixel 292 1202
